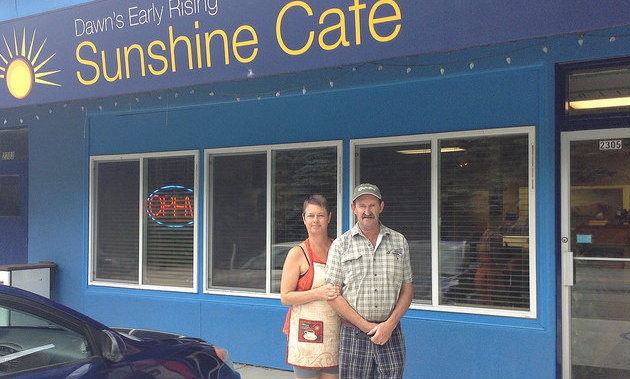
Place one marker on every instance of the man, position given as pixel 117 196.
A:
pixel 370 262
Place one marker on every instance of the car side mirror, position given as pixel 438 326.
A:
pixel 112 347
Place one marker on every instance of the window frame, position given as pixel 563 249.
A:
pixel 433 138
pixel 208 195
pixel 93 215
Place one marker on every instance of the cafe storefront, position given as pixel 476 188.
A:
pixel 171 144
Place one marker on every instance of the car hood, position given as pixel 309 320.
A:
pixel 144 334
pixel 188 353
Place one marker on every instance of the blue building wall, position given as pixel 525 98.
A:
pixel 439 344
pixel 449 345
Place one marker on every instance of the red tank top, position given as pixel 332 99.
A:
pixel 305 282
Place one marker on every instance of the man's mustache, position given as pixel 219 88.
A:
pixel 366 216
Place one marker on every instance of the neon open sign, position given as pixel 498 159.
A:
pixel 171 206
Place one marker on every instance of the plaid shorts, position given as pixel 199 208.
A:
pixel 361 358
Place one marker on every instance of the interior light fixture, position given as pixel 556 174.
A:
pixel 414 151
pixel 428 151
pixel 612 102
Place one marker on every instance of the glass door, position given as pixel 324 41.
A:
pixel 596 253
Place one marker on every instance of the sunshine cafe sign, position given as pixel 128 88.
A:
pixel 112 47
pixel 205 48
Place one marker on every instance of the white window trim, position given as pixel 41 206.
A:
pixel 92 217
pixel 433 139
pixel 267 149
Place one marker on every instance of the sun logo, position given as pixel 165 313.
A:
pixel 21 69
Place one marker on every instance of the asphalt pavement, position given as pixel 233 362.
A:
pixel 257 372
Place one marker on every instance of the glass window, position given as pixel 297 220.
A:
pixel 9 195
pixel 482 217
pixel 28 342
pixel 169 235
pixel 14 144
pixel 597 90
pixel 484 212
pixel 143 220
pixel 407 196
pixel 238 210
pixel 251 204
pixel 117 206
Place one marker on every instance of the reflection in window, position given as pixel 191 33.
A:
pixel 482 215
pixel 297 174
pixel 484 210
pixel 117 203
pixel 407 195
pixel 238 209
pixel 9 195
pixel 169 237
pixel 600 197
pixel 14 144
pixel 30 342
pixel 238 229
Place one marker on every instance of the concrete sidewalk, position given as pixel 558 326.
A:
pixel 257 372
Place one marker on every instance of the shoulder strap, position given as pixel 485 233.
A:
pixel 307 261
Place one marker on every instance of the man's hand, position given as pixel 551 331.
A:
pixel 381 333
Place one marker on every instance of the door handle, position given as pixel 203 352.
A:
pixel 567 268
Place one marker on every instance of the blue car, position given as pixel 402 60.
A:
pixel 43 339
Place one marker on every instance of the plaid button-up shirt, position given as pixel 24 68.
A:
pixel 370 279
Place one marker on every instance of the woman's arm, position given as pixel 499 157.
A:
pixel 294 265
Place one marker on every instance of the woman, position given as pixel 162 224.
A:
pixel 312 326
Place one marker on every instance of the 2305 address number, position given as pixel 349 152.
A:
pixel 613 144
